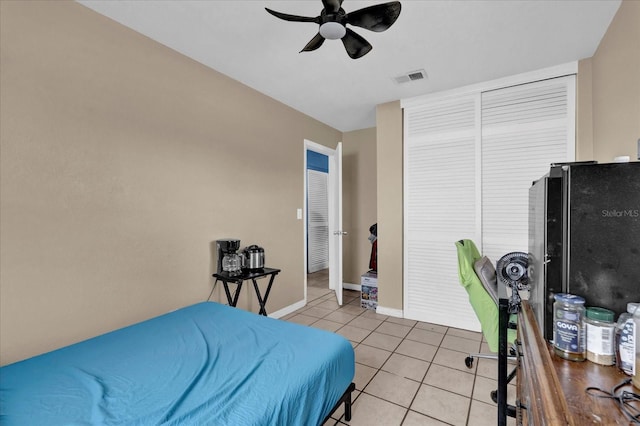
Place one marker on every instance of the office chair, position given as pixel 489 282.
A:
pixel 484 302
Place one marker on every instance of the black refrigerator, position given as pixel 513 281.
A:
pixel 584 237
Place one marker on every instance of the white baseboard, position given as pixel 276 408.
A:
pixel 389 311
pixel 350 286
pixel 292 308
pixel 287 310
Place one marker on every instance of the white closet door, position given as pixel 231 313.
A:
pixel 524 129
pixel 441 206
pixel 318 226
pixel 469 163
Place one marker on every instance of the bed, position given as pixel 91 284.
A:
pixel 203 364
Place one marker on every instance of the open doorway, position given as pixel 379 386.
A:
pixel 323 221
pixel 318 285
pixel 317 225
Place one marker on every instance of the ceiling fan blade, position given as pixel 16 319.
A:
pixel 293 18
pixel 314 43
pixel 375 18
pixel 355 45
pixel 332 6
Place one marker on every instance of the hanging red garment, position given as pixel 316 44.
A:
pixel 373 260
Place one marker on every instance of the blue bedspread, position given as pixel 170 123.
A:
pixel 203 364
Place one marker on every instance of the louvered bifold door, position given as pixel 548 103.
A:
pixel 469 163
pixel 318 221
pixel 441 207
pixel 524 129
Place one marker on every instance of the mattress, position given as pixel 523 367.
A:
pixel 204 364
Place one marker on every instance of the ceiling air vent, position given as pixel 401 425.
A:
pixel 411 76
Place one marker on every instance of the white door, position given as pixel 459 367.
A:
pixel 334 189
pixel 335 222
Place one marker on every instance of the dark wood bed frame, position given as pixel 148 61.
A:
pixel 346 398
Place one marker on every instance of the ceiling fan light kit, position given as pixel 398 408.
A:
pixel 333 22
pixel 332 30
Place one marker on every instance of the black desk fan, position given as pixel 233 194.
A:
pixel 511 270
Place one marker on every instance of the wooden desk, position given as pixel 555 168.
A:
pixel 553 389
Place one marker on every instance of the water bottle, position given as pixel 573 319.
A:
pixel 625 340
pixel 636 374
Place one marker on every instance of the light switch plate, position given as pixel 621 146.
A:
pixel 299 213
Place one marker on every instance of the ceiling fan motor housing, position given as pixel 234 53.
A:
pixel 333 25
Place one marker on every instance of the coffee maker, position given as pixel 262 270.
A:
pixel 229 260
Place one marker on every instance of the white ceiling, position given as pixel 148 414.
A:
pixel 456 42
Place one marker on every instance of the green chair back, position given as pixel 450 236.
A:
pixel 483 305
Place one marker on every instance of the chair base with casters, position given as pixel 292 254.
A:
pixel 511 409
pixel 468 361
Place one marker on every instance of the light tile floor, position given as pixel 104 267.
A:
pixel 407 372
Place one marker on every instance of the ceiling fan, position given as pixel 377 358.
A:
pixel 333 22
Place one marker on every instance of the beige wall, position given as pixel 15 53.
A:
pixel 616 87
pixel 114 151
pixel 358 200
pixel 121 162
pixel 584 111
pixel 390 205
